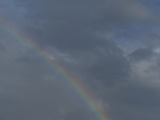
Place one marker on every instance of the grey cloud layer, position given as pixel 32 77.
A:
pixel 75 33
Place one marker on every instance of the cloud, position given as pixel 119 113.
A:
pixel 74 25
pixel 76 29
pixel 75 34
pixel 135 101
pixel 141 54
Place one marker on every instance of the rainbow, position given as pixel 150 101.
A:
pixel 86 95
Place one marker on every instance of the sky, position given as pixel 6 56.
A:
pixel 111 46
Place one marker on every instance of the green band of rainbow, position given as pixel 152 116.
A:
pixel 78 86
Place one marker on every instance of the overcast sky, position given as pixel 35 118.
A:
pixel 111 46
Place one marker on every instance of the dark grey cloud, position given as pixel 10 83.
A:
pixel 104 69
pixel 83 35
pixel 136 102
pixel 145 67
pixel 30 89
pixel 152 40
pixel 141 54
pixel 76 29
pixel 2 48
pixel 75 24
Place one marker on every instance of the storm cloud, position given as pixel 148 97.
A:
pixel 112 46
